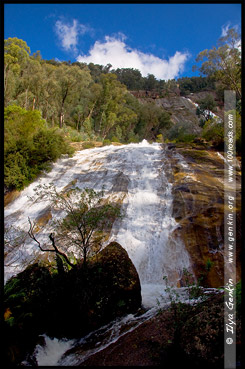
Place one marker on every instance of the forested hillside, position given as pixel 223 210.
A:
pixel 50 103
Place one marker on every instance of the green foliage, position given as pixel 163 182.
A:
pixel 49 144
pixel 181 311
pixel 91 102
pixel 181 132
pixel 16 53
pixel 206 106
pixel 194 289
pixel 114 139
pixel 152 121
pixel 209 264
pixel 159 138
pixel 75 136
pixel 83 228
pixel 106 142
pixel 132 137
pixel 29 146
pixel 91 99
pixel 130 77
pixel 185 137
pixel 88 145
pixel 223 63
pixel 213 131
pixel 189 85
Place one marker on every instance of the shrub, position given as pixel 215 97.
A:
pixel 29 146
pixel 114 139
pixel 186 138
pixel 49 145
pixel 106 142
pixel 181 132
pixel 159 138
pixel 88 145
pixel 213 131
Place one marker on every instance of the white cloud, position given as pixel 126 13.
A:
pixel 224 31
pixel 119 55
pixel 68 33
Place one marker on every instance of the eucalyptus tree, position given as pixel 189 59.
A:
pixel 49 98
pixel 152 121
pixel 110 103
pixel 224 62
pixel 31 85
pixel 83 107
pixel 70 81
pixel 16 54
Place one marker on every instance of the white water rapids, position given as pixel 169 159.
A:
pixel 134 174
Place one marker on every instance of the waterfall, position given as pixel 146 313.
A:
pixel 135 175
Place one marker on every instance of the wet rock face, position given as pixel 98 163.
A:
pixel 10 196
pixel 198 207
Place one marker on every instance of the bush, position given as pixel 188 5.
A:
pixel 88 145
pixel 114 139
pixel 181 132
pixel 29 146
pixel 159 138
pixel 213 132
pixel 106 142
pixel 49 145
pixel 186 138
pixel 16 173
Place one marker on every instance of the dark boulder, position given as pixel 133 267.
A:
pixel 69 304
pixel 108 288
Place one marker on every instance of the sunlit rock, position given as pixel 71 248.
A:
pixel 198 207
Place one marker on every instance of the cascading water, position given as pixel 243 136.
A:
pixel 134 175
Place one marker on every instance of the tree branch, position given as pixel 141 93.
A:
pixel 55 249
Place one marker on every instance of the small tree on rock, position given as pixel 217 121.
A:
pixel 84 216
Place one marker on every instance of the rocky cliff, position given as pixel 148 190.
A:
pixel 182 109
pixel 198 207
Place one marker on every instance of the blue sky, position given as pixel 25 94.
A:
pixel 162 39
